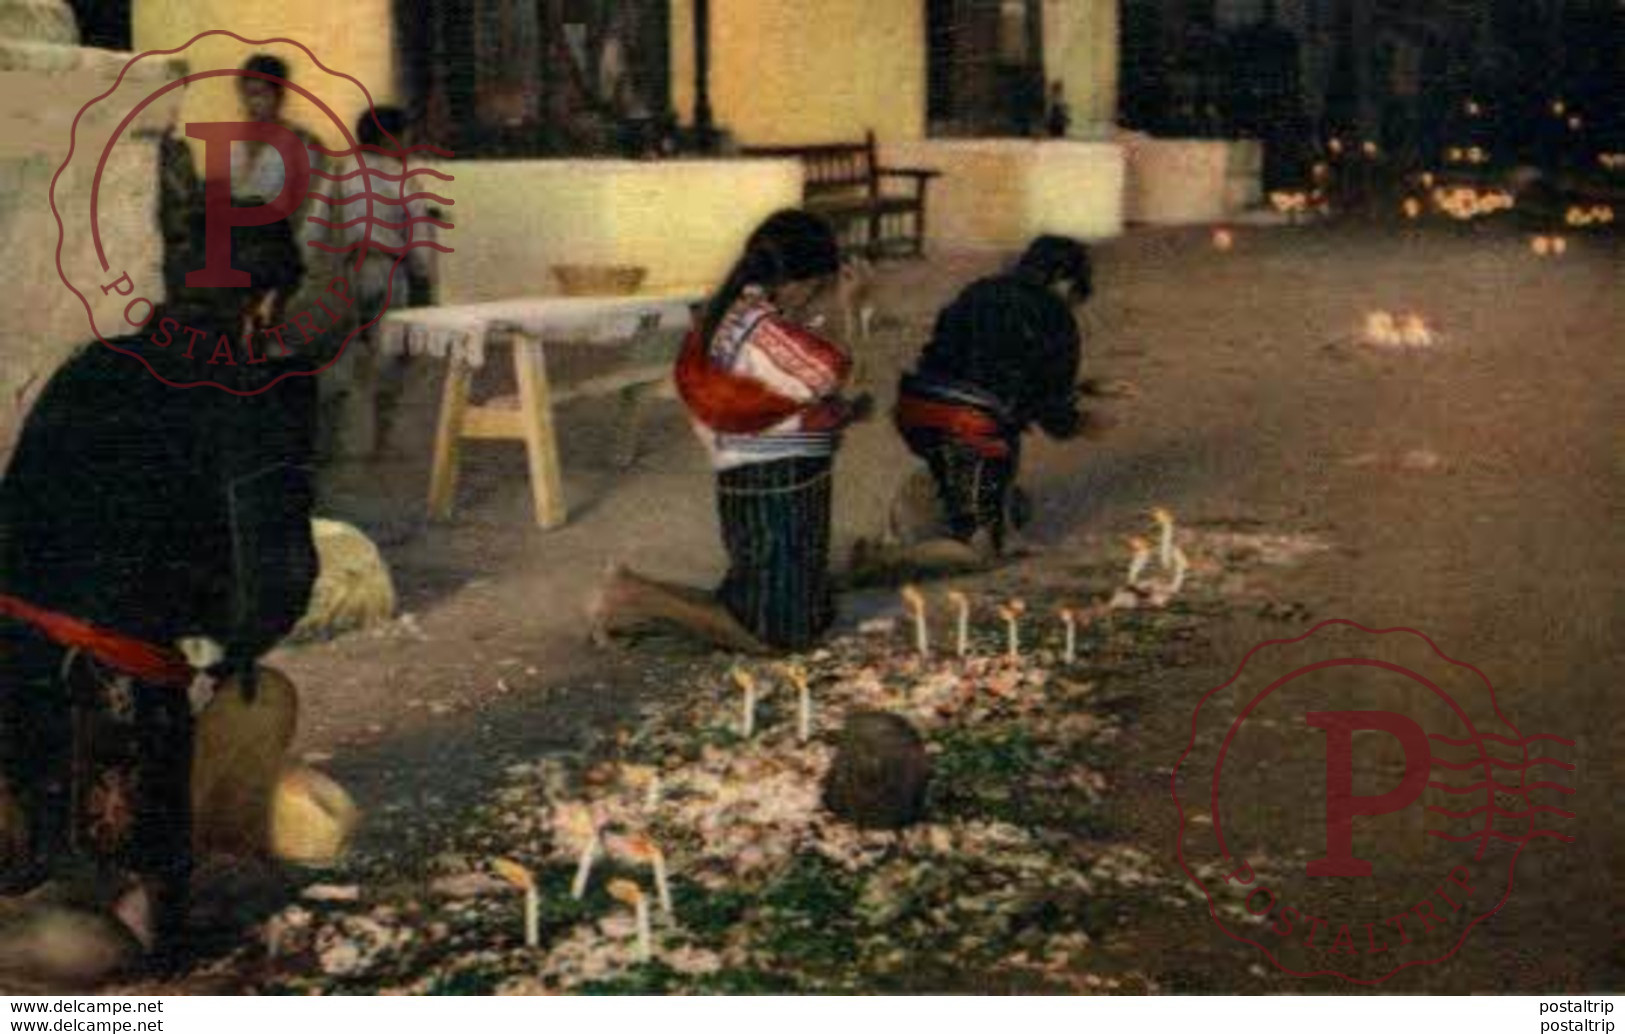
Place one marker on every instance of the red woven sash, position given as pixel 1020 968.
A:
pixel 154 664
pixel 963 423
pixel 724 401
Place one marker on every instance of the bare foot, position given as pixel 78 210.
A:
pixel 606 603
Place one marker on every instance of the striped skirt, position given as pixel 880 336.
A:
pixel 775 526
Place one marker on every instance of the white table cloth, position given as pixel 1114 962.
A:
pixel 460 331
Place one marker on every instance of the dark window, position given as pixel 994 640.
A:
pixel 985 69
pixel 103 23
pixel 527 78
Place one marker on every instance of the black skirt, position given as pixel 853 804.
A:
pixel 99 763
pixel 775 526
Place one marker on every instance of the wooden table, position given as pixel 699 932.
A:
pixel 649 326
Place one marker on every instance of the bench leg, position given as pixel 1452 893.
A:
pixel 447 440
pixel 536 417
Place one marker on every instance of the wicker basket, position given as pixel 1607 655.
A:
pixel 599 280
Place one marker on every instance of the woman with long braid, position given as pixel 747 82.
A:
pixel 764 393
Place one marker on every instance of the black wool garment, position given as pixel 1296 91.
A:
pixel 1016 340
pixel 164 512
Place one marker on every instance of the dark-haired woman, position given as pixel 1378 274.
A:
pixel 764 393
pixel 1003 357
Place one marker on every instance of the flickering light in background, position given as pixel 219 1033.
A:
pixel 1322 172
pixel 1223 239
pixel 1576 123
pixel 1427 181
pixel 1559 108
pixel 1453 154
pixel 1473 109
pixel 1412 208
pixel 1334 145
pixel 1369 148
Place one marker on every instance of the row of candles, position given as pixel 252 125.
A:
pixel 1462 202
pixel 1388 330
pixel 1578 215
pixel 636 847
pixel 582 824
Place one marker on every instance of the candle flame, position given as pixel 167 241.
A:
pixel 913 598
pixel 514 873
pixel 626 892
pixel 1018 606
pixel 640 847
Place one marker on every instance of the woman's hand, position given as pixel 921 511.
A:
pixel 860 407
pixel 1106 389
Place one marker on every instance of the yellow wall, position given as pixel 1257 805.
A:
pixel 355 37
pixel 1002 193
pixel 684 221
pixel 790 71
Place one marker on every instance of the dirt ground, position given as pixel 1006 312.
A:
pixel 1471 490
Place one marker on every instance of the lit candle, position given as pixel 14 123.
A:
pixel 961 604
pixel 1011 615
pixel 578 887
pixel 1181 565
pixel 1414 331
pixel 522 878
pixel 1558 108
pixel 642 849
pixel 1369 149
pixel 747 722
pixel 1141 550
pixel 1473 108
pixel 1334 145
pixel 1540 245
pixel 1223 239
pixel 629 893
pixel 914 602
pixel 1559 245
pixel 1070 621
pixel 1427 181
pixel 797 677
pixel 1165 521
pixel 1412 207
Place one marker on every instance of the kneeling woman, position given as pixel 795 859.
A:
pixel 764 394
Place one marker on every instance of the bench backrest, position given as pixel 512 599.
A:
pixel 837 168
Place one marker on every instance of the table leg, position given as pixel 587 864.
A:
pixel 630 426
pixel 536 418
pixel 448 439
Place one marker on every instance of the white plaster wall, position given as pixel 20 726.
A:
pixel 42 88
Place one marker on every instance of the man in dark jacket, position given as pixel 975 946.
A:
pixel 1003 357
pixel 133 515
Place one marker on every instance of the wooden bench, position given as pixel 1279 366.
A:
pixel 845 184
